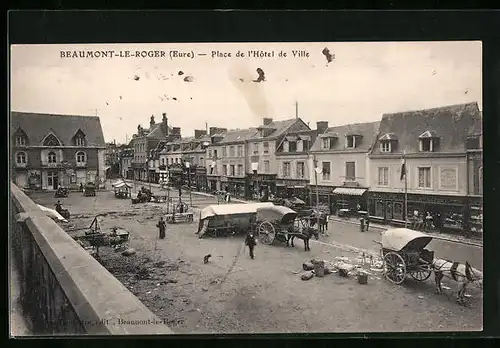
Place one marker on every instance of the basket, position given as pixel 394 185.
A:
pixel 362 278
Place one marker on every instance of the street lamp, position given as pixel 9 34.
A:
pixel 188 167
pixel 317 171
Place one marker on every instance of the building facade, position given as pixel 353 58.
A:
pixel 231 162
pixel 341 155
pixel 143 142
pixel 126 157
pixel 433 145
pixel 293 165
pixel 213 158
pixel 51 151
pixel 262 167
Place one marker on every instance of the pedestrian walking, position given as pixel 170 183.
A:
pixel 161 227
pixel 367 221
pixel 250 241
pixel 228 197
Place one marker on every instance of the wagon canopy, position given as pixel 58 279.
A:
pixel 276 213
pixel 122 184
pixel 398 239
pixel 232 209
pixel 51 213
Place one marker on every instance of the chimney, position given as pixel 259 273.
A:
pixel 176 132
pixel 198 133
pixel 139 130
pixel 267 121
pixel 321 126
pixel 152 122
pixel 164 120
pixel 212 131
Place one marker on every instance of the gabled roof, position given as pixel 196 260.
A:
pixel 451 124
pixel 37 126
pixel 279 127
pixel 367 131
pixel 388 136
pixel 238 135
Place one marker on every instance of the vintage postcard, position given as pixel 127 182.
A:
pixel 323 187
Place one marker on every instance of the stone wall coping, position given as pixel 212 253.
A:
pixel 101 302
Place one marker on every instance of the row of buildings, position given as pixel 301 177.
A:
pixel 342 166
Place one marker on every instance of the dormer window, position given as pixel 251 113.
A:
pixel 428 141
pixel 388 142
pixel 79 138
pixel 51 140
pixel 350 141
pixel 328 140
pixel 385 146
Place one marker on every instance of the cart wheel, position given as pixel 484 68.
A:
pixel 394 268
pixel 266 233
pixel 421 275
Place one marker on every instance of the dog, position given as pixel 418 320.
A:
pixel 205 259
pixel 463 274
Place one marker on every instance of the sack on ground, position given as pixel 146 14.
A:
pixel 307 275
pixel 129 252
pixel 307 266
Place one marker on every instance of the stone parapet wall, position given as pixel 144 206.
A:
pixel 64 290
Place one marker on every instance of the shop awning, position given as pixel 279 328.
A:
pixel 349 191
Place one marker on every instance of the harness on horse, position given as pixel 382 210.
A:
pixel 453 270
pixel 468 273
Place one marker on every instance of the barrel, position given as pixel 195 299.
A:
pixel 319 269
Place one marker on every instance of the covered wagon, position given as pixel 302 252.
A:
pixel 227 219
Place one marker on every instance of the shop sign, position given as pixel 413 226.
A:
pixel 448 178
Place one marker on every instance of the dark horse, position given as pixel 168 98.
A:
pixel 305 235
pixel 322 219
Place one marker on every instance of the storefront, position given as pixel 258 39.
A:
pixel 351 198
pixel 260 185
pixel 200 178
pixel 323 195
pixel 235 186
pixel 292 188
pixel 447 212
pixel 213 182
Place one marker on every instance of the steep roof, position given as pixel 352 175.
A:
pixel 37 126
pixel 279 127
pixel 157 131
pixel 450 124
pixel 237 135
pixel 367 131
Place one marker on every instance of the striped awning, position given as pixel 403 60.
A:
pixel 348 191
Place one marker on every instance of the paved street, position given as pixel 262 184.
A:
pixel 234 294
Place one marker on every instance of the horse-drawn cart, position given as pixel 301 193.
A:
pixel 403 252
pixel 226 219
pixel 283 224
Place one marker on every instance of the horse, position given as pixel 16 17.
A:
pixel 305 235
pixel 322 219
pixel 463 274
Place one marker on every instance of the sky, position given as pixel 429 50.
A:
pixel 363 81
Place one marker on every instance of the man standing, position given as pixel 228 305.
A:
pixel 250 241
pixel 161 227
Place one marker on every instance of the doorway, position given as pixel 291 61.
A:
pixel 52 180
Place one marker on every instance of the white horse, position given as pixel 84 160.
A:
pixel 463 274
